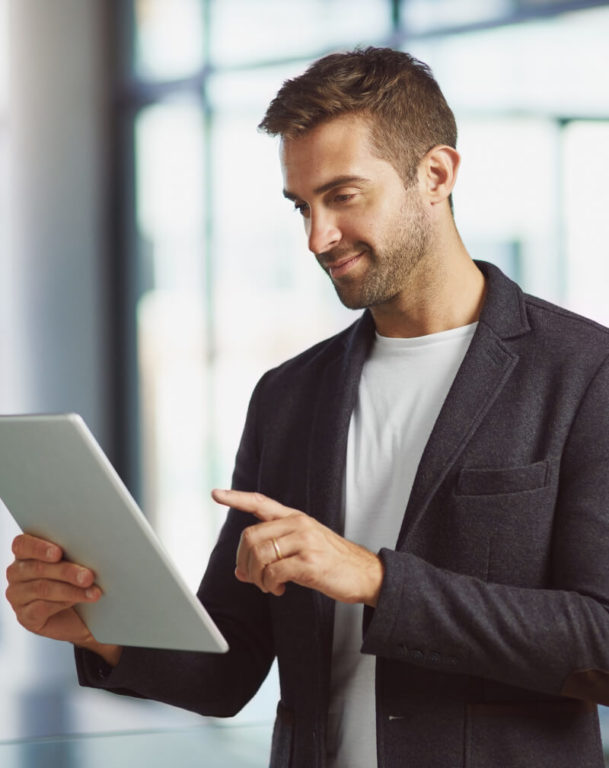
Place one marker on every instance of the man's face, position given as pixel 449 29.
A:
pixel 367 232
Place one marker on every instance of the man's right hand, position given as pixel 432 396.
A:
pixel 43 589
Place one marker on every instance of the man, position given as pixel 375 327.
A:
pixel 428 562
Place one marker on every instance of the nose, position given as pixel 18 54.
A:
pixel 322 231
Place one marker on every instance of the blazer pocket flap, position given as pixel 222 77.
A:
pixel 473 481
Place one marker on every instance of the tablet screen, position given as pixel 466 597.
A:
pixel 58 484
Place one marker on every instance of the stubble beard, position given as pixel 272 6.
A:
pixel 390 265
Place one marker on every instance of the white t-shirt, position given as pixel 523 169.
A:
pixel 403 385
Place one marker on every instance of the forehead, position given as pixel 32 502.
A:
pixel 339 147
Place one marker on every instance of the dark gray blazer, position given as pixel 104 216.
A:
pixel 492 629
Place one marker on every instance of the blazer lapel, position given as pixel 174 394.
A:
pixel 327 450
pixel 335 400
pixel 483 373
pixel 481 377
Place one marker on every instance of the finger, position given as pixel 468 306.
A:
pixel 256 549
pixel 46 590
pixel 27 547
pixel 35 616
pixel 251 561
pixel 284 565
pixel 262 506
pixel 26 570
pixel 275 576
pixel 293 567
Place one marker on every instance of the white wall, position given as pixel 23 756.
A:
pixel 57 112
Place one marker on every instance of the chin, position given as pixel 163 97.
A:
pixel 351 302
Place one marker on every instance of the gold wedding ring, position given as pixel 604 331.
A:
pixel 276 548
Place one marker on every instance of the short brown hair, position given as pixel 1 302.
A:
pixel 397 93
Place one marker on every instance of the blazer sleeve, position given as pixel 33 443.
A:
pixel 207 683
pixel 553 640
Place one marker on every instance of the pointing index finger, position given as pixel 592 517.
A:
pixel 259 505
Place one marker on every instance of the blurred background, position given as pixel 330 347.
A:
pixel 150 270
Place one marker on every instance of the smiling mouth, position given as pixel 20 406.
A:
pixel 344 266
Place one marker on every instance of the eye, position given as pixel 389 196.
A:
pixel 340 197
pixel 301 208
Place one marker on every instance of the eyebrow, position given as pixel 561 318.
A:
pixel 338 181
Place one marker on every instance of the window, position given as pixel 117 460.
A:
pixel 525 112
pixel 586 225
pixel 225 286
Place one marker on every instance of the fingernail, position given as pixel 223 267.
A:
pixel 51 552
pixel 91 594
pixel 81 577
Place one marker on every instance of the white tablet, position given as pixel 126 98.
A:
pixel 58 484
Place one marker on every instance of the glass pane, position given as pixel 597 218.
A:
pixel 586 224
pixel 172 327
pixel 501 217
pixel 533 4
pixel 169 38
pixel 510 88
pixel 427 15
pixel 249 91
pixel 170 172
pixel 524 67
pixel 276 29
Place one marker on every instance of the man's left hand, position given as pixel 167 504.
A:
pixel 289 545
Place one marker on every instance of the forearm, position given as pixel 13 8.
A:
pixel 532 638
pixel 206 683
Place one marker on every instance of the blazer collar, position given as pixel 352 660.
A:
pixel 504 309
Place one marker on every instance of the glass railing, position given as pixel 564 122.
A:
pixel 211 745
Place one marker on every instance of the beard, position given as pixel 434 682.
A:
pixel 391 263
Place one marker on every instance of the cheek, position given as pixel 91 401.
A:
pixel 361 228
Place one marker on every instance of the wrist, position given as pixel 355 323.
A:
pixel 111 654
pixel 377 573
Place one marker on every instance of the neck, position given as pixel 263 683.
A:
pixel 445 291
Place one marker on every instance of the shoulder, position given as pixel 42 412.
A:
pixel 327 370
pixel 309 365
pixel 566 332
pixel 540 327
pixel 285 399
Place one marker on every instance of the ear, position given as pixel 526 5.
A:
pixel 438 173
